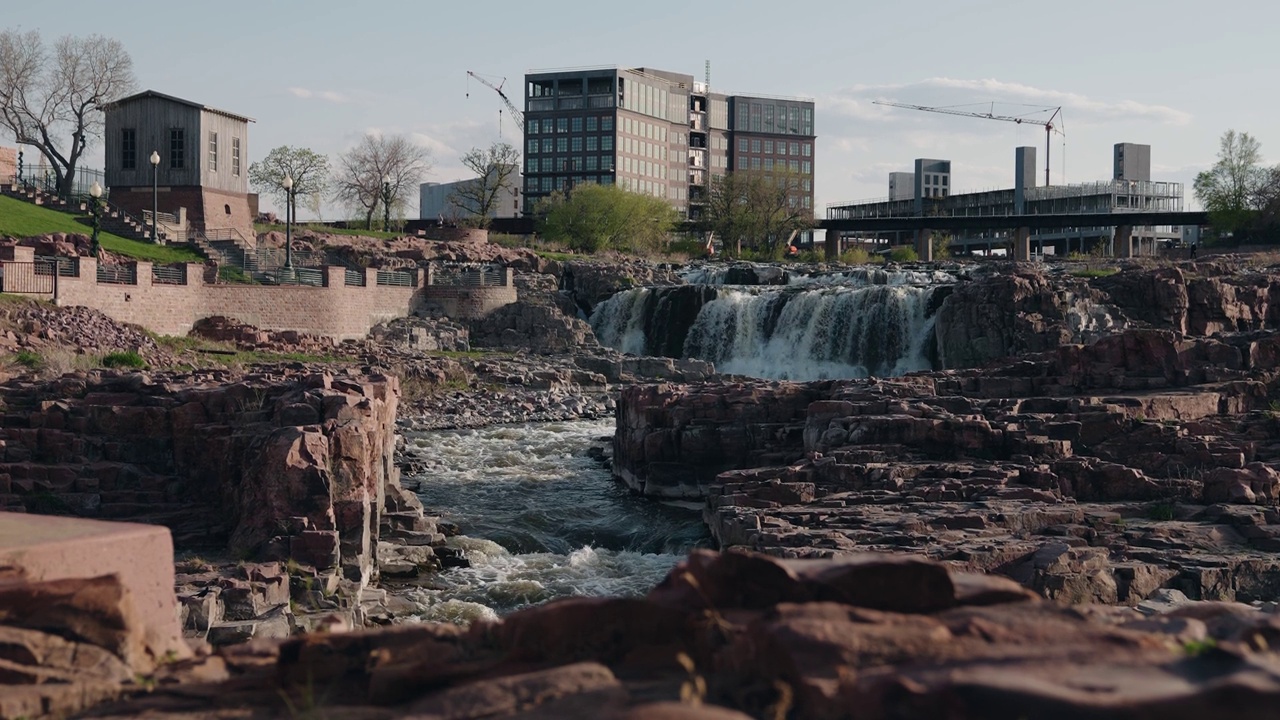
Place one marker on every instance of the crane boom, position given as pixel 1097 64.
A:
pixel 515 112
pixel 1048 125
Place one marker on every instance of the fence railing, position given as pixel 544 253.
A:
pixel 354 277
pixel 118 274
pixel 42 177
pixel 169 274
pixel 397 278
pixel 27 277
pixel 470 275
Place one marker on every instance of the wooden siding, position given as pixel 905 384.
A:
pixel 152 118
pixel 227 129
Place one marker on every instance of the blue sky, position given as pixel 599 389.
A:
pixel 1173 74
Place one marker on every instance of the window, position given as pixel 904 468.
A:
pixel 807 149
pixel 606 124
pixel 593 162
pixel 755 163
pixel 742 145
pixel 768 147
pixel 593 123
pixel 606 142
pixel 944 180
pixel 177 148
pixel 546 184
pixel 576 144
pixel 794 165
pixel 755 146
pixel 593 143
pixel 532 146
pixel 213 152
pixel 128 149
pixel 808 185
pixel 576 164
pixel 806 167
pixel 530 165
pixel 768 164
pixel 795 149
pixel 548 145
pixel 562 144
pixel 235 156
pixel 533 127
pixel 577 125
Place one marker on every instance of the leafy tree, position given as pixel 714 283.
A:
pixel 1236 186
pixel 496 167
pixel 376 165
pixel 761 209
pixel 46 96
pixel 309 170
pixel 606 217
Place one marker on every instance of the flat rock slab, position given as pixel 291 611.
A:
pixel 43 547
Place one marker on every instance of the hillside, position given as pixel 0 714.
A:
pixel 20 219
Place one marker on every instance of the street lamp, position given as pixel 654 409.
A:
pixel 386 203
pixel 287 183
pixel 95 192
pixel 155 196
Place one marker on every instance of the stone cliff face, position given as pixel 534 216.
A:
pixel 295 466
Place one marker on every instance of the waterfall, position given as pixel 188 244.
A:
pixel 797 332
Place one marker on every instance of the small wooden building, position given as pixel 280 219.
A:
pixel 203 174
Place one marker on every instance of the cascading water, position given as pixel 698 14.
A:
pixel 836 325
pixel 540 519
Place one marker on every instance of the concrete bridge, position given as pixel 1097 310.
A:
pixel 1021 225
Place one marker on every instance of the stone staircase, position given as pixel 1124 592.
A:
pixel 114 220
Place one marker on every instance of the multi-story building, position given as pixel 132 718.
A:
pixel 659 133
pixel 442 202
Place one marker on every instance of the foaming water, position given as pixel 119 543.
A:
pixel 540 520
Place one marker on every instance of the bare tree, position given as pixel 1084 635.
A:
pixel 494 167
pixel 45 95
pixel 378 166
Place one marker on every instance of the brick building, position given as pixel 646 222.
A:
pixel 203 174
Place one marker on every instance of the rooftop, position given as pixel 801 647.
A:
pixel 153 94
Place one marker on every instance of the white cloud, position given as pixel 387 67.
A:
pixel 332 96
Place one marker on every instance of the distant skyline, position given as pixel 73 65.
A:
pixel 1174 75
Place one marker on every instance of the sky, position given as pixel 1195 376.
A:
pixel 1174 74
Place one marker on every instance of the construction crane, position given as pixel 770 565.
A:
pixel 515 112
pixel 1048 125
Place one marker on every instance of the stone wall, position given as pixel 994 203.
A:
pixel 206 208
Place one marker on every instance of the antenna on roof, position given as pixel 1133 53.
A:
pixel 707 77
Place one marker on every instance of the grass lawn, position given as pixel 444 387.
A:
pixel 22 219
pixel 305 227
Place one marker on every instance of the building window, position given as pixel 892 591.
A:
pixel 128 149
pixel 806 167
pixel 530 165
pixel 235 156
pixel 606 142
pixel 576 164
pixel 606 123
pixel 944 180
pixel 593 143
pixel 177 148
pixel 577 125
pixel 795 149
pixel 768 164
pixel 755 146
pixel 532 146
pixel 795 166
pixel 213 152
pixel 562 124
pixel 807 149
pixel 593 123
pixel 533 127
pixel 755 163
pixel 593 162
pixel 768 147
pixel 546 184
pixel 808 185
pixel 742 145
pixel 548 145
pixel 576 144
pixel 562 144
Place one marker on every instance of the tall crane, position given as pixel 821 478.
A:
pixel 515 112
pixel 1048 125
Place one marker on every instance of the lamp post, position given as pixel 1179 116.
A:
pixel 287 183
pixel 386 204
pixel 155 196
pixel 95 192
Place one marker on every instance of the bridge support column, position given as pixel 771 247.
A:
pixel 924 244
pixel 1124 241
pixel 832 245
pixel 1022 244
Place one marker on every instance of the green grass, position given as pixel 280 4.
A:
pixel 29 358
pixel 22 220
pixel 235 275
pixel 125 359
pixel 317 228
pixel 1094 272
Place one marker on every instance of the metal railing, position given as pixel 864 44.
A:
pixel 354 277
pixel 67 266
pixel 169 274
pixel 118 274
pixel 397 278
pixel 41 177
pixel 470 275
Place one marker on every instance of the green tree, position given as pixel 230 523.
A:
pixel 47 95
pixel 496 168
pixel 1234 189
pixel 309 170
pixel 761 210
pixel 593 217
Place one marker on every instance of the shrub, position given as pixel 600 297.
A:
pixel 123 359
pixel 941 245
pixel 855 256
pixel 903 253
